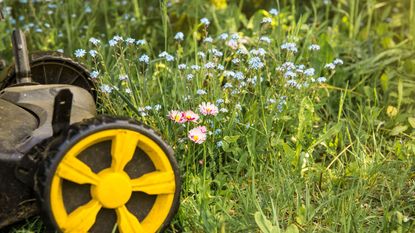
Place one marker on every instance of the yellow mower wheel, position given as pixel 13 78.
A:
pixel 109 173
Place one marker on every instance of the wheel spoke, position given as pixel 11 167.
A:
pixel 127 222
pixel 83 218
pixel 123 147
pixel 75 170
pixel 155 183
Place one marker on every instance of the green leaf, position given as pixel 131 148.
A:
pixel 264 224
pixel 292 229
pixel 411 121
pixel 398 129
pixel 231 139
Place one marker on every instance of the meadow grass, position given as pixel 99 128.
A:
pixel 291 149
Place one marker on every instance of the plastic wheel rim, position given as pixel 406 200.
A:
pixel 124 143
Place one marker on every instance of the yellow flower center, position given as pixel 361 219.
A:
pixel 195 137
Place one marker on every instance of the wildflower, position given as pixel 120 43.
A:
pixel 309 72
pixel 182 66
pixel 130 40
pixel 123 77
pixel 219 144
pixel 176 116
pixel 266 20
pixel 321 79
pixel 232 43
pixel 274 12
pixel 220 67
pixel 144 58
pixel 201 54
pixel 235 36
pixel 201 92
pixel 255 63
pixel 224 110
pixel 265 39
pixel 140 42
pixel 208 39
pixel 195 67
pixel 330 66
pixel 87 9
pixel 272 101
pixel 293 83
pixel 242 51
pixel 179 36
pixel 229 73
pixel 208 109
pixel 216 53
pixel 290 74
pixel 258 52
pixel 238 107
pixel 94 41
pixel 189 77
pixel 106 88
pixel 93 53
pixel 157 107
pixel 338 61
pixel 94 74
pixel 292 47
pixel 128 90
pixel 198 134
pixel 314 47
pixel 239 75
pixel 112 42
pixel 219 101
pixel 209 65
pixel 117 38
pixel 223 36
pixel 227 85
pixel 236 60
pixel 167 56
pixel 205 21
pixel 80 52
pixel 190 116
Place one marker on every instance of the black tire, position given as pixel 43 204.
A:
pixel 58 148
pixel 54 68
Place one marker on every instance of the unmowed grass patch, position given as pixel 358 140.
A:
pixel 312 121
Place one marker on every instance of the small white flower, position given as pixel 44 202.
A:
pixel 93 53
pixel 330 66
pixel 169 58
pixel 205 21
pixel 182 66
pixel 309 72
pixel 157 107
pixel 208 39
pixel 94 41
pixel 118 38
pixel 144 58
pixel 201 54
pixel 80 52
pixel 209 65
pixel 128 90
pixel 189 77
pixel 223 36
pixel 106 88
pixel 236 61
pixel 265 39
pixel 238 107
pixel 123 77
pixel 227 85
pixel 201 92
pixel 255 63
pixel 130 40
pixel 219 101
pixel 314 47
pixel 224 110
pixel 321 79
pixel 195 67
pixel 216 53
pixel 266 20
pixel 274 12
pixel 112 42
pixel 338 61
pixel 179 36
pixel 94 74
pixel 290 74
pixel 239 75
pixel 292 47
pixel 140 42
pixel 220 67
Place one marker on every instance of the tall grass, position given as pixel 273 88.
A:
pixel 281 156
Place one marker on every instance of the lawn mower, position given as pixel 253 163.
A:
pixel 79 171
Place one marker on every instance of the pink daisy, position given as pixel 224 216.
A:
pixel 191 116
pixel 208 109
pixel 198 134
pixel 177 116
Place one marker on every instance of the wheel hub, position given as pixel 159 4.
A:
pixel 113 190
